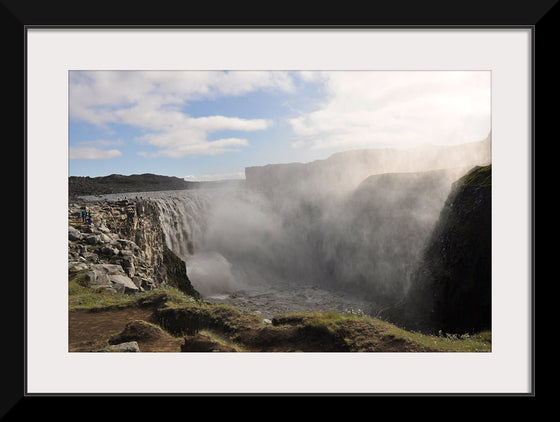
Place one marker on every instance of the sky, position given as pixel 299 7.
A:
pixel 210 125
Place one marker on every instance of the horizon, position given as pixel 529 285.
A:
pixel 211 125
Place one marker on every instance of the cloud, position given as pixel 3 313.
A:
pixel 99 97
pixel 152 101
pixel 365 109
pixel 100 143
pixel 190 136
pixel 180 149
pixel 92 153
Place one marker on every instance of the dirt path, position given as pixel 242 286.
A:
pixel 90 331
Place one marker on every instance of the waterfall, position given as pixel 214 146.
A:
pixel 183 217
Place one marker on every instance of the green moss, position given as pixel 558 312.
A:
pixel 80 297
pixel 366 328
pixel 214 336
pixel 478 177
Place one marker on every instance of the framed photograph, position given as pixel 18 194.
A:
pixel 218 107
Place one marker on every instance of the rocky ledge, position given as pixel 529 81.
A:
pixel 121 248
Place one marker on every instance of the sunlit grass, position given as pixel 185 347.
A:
pixel 82 297
pixel 334 322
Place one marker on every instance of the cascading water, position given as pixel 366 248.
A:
pixel 183 216
pixel 241 248
pixel 184 219
pixel 285 253
pixel 272 246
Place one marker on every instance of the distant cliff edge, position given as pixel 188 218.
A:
pixel 147 182
pixel 346 170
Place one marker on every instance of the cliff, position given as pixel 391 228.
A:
pixel 348 169
pixel 451 288
pixel 123 249
pixel 381 230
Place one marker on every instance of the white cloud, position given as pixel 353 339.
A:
pixel 100 143
pixel 365 109
pixel 151 100
pixel 92 153
pixel 99 97
pixel 180 149
pixel 190 136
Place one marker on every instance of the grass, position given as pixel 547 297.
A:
pixel 479 177
pixel 351 325
pixel 480 342
pixel 222 340
pixel 356 326
pixel 80 296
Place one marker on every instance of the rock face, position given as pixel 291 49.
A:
pixel 123 249
pixel 359 220
pixel 350 168
pixel 381 230
pixel 451 289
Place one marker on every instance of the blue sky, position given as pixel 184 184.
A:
pixel 211 125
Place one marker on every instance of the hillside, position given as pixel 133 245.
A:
pixel 118 183
pixel 166 320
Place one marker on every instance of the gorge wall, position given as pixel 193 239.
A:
pixel 359 223
pixel 346 170
pixel 123 249
pixel 451 288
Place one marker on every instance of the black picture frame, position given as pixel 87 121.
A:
pixel 19 16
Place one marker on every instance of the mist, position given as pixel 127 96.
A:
pixel 355 223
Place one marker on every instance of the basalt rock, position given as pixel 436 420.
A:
pixel 451 289
pixel 123 249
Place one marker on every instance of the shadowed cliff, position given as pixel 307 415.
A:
pixel 451 289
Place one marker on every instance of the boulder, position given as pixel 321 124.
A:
pixel 110 276
pixel 93 239
pixel 104 238
pixel 109 251
pixel 91 256
pixel 122 283
pixel 74 234
pixel 103 229
pixel 77 265
pixel 128 265
pixel 128 244
pixel 131 346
